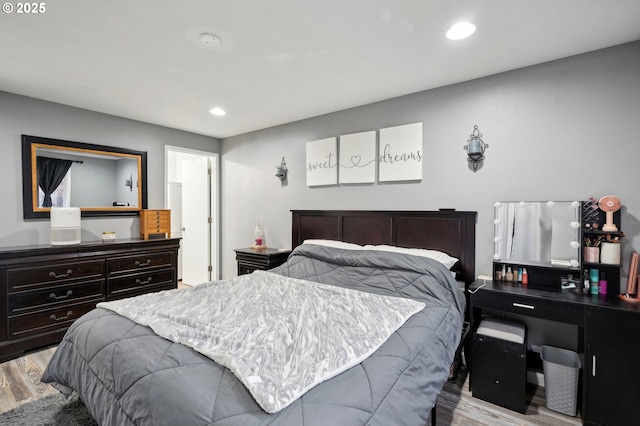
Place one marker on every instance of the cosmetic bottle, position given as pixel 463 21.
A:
pixel 525 276
pixel 595 278
pixel 585 282
pixel 519 275
pixel 603 283
pixel 509 275
pixel 504 272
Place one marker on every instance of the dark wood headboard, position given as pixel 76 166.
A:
pixel 450 231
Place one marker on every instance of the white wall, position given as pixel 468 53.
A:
pixel 563 130
pixel 22 115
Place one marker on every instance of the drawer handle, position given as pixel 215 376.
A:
pixel 522 305
pixel 145 282
pixel 64 296
pixel 54 275
pixel 55 318
pixel 140 264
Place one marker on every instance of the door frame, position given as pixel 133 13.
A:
pixel 214 185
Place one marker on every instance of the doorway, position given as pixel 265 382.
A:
pixel 191 193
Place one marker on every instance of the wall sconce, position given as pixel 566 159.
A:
pixel 281 171
pixel 129 183
pixel 475 149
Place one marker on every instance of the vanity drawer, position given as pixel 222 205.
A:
pixel 27 278
pixel 47 320
pixel 132 285
pixel 130 264
pixel 30 300
pixel 539 307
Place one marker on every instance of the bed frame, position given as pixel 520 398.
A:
pixel 447 230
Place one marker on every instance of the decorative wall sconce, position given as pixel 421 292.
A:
pixel 281 171
pixel 129 183
pixel 475 148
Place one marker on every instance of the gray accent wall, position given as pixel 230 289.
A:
pixel 23 115
pixel 564 130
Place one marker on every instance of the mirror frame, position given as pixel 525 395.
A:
pixel 30 183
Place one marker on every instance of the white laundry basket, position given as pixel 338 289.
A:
pixel 561 372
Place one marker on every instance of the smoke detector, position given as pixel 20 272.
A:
pixel 210 40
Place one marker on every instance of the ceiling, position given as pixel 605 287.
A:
pixel 280 61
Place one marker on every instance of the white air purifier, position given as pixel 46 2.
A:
pixel 65 226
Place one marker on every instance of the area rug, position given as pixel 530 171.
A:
pixel 52 410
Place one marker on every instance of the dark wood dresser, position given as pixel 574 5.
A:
pixel 44 288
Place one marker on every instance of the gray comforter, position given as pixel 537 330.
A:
pixel 126 374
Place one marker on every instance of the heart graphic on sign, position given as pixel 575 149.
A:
pixel 355 160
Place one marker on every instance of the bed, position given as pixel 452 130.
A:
pixel 126 373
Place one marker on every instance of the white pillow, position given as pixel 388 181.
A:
pixel 334 243
pixel 441 257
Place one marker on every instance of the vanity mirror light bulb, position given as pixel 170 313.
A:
pixel 496 256
pixel 497 204
pixel 497 221
pixel 575 225
pixel 575 204
pixel 574 263
pixel 550 204
pixel 522 204
pixel 496 239
pixel 574 244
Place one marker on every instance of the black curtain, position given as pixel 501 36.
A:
pixel 51 171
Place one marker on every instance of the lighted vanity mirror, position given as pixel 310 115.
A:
pixel 101 180
pixel 545 233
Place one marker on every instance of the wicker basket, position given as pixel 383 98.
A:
pixel 561 370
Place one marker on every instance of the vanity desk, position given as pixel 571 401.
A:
pixel 44 288
pixel 608 342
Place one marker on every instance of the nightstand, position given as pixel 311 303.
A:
pixel 251 259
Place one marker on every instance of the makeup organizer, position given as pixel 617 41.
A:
pixel 601 261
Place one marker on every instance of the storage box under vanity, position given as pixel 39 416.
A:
pixel 499 371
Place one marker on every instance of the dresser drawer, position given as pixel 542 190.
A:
pixel 47 320
pixel 132 285
pixel 155 214
pixel 43 276
pixel 531 306
pixel 157 228
pixel 41 299
pixel 142 262
pixel 163 220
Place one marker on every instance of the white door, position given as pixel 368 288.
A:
pixel 174 200
pixel 195 221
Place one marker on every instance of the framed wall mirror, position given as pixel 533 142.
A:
pixel 543 233
pixel 100 180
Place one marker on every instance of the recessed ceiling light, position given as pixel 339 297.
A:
pixel 460 31
pixel 217 111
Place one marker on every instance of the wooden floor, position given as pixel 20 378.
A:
pixel 20 383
